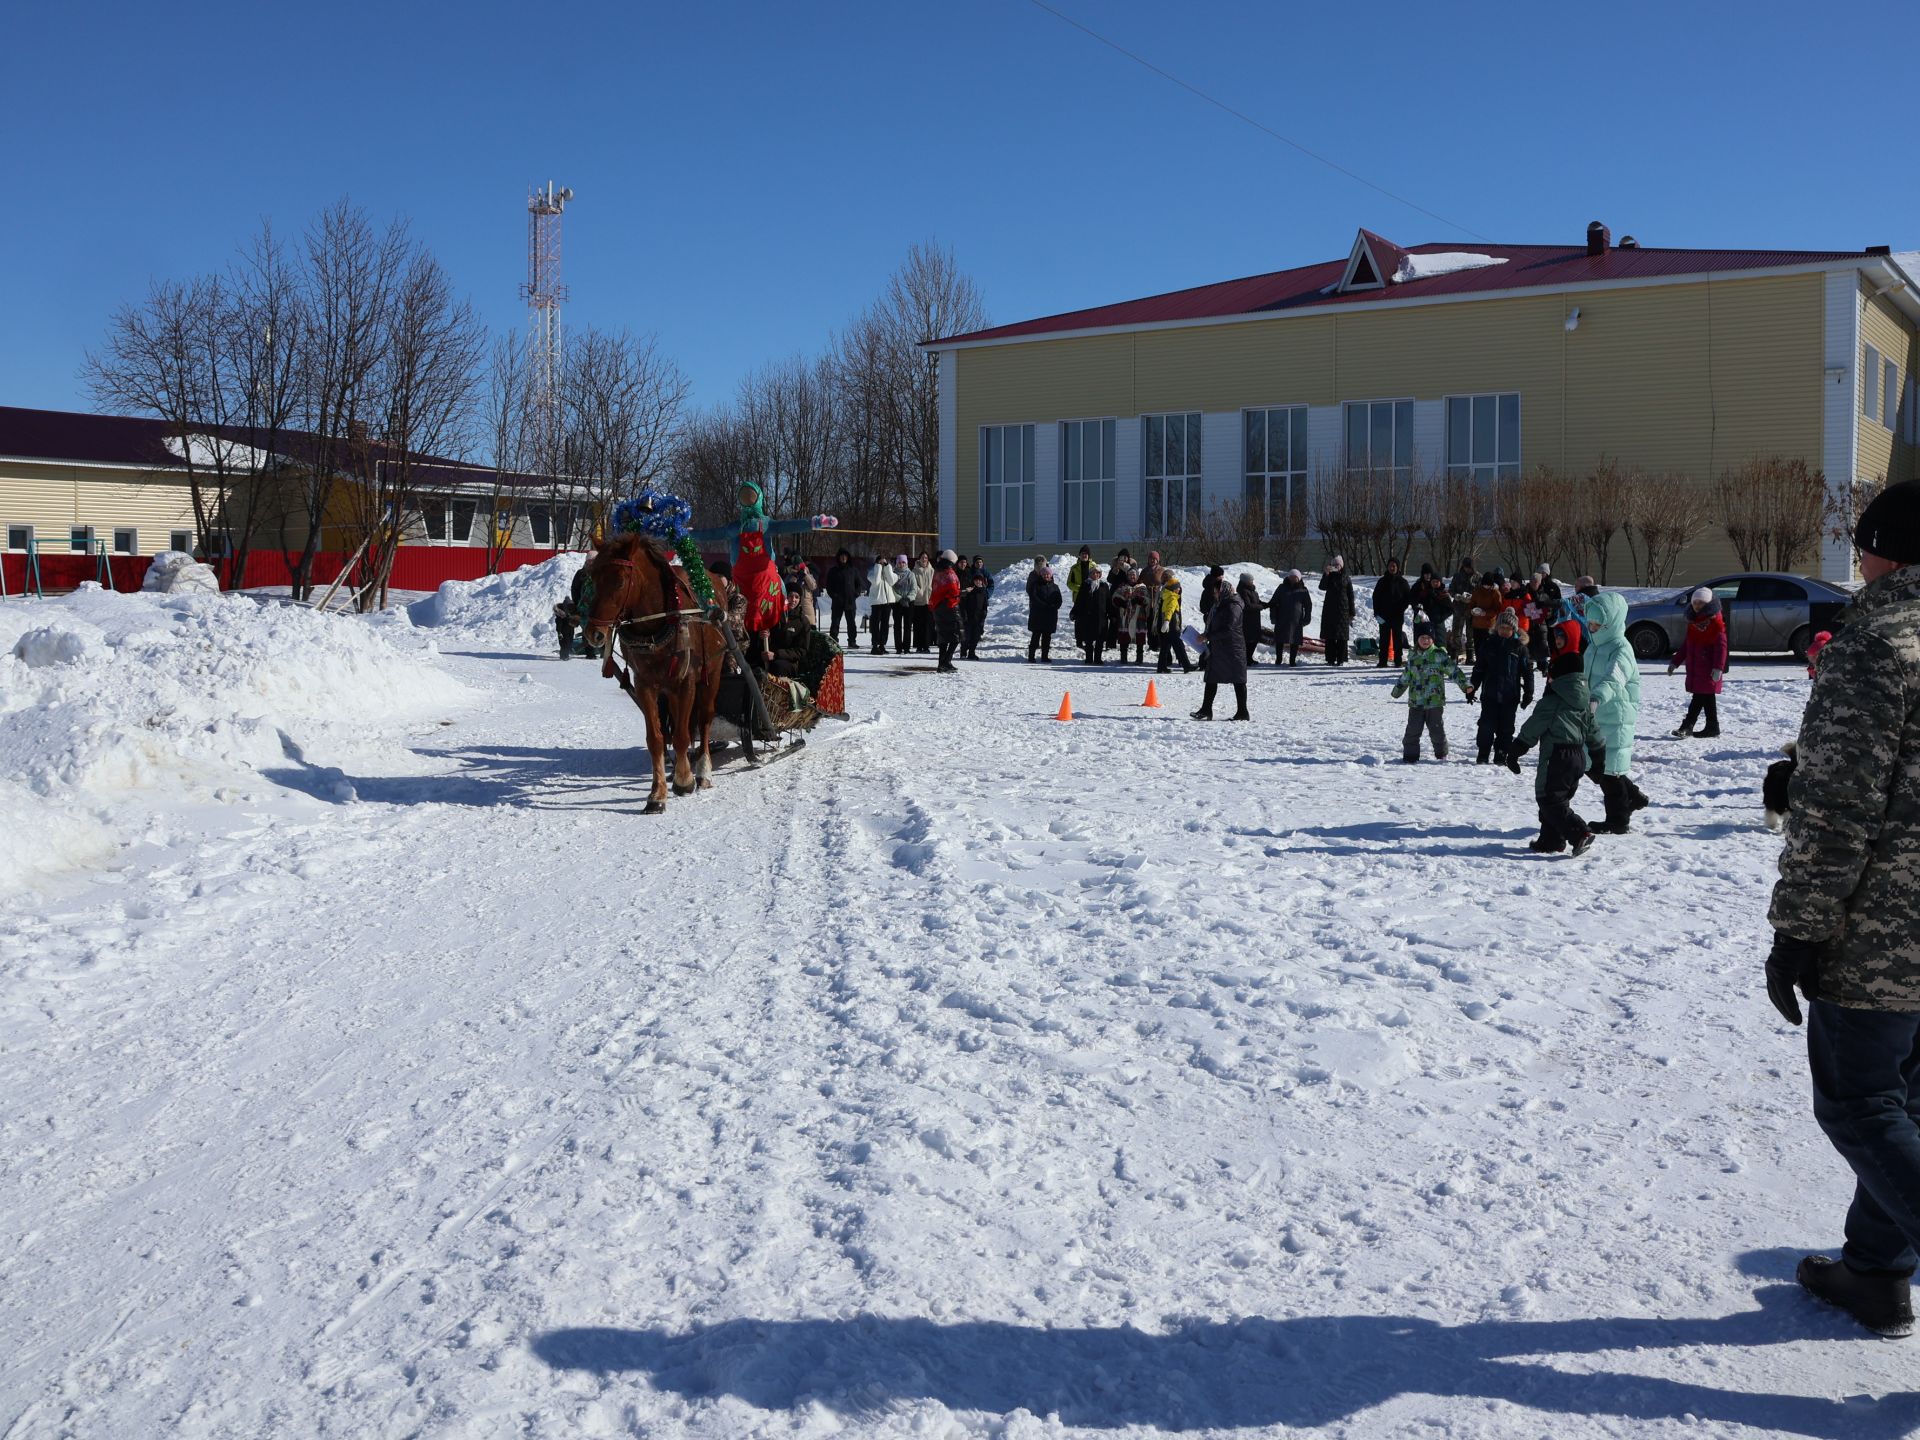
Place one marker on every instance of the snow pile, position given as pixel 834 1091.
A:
pixel 1442 262
pixel 174 571
pixel 104 693
pixel 514 610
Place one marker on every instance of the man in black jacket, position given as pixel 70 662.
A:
pixel 846 583
pixel 1391 597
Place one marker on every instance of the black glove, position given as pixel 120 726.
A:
pixel 1791 962
pixel 1513 763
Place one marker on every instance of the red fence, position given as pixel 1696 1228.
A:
pixel 415 567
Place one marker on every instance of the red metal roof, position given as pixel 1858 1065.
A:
pixel 1527 267
pixel 74 437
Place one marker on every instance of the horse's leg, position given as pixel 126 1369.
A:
pixel 649 703
pixel 706 703
pixel 683 735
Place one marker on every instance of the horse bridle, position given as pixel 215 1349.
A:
pixel 628 630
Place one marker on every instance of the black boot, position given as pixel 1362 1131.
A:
pixel 1636 798
pixel 1881 1300
pixel 1203 714
pixel 1482 757
pixel 1546 845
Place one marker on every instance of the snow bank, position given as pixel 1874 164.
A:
pixel 514 610
pixel 1442 262
pixel 102 694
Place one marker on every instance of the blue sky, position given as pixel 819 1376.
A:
pixel 749 173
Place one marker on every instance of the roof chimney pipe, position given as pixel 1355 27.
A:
pixel 1598 238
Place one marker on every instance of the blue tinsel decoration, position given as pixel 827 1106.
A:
pixel 656 513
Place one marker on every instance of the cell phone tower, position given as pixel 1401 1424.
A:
pixel 544 295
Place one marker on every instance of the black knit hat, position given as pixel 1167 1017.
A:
pixel 1890 526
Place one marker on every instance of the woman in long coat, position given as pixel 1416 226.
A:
pixel 1251 609
pixel 1226 654
pixel 1704 653
pixel 1336 611
pixel 1292 608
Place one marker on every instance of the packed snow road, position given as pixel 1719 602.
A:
pixel 969 1074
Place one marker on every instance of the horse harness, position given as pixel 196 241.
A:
pixel 642 646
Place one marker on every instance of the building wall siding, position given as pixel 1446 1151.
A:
pixel 1691 377
pixel 1884 449
pixel 55 498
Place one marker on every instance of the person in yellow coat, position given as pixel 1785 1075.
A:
pixel 1171 640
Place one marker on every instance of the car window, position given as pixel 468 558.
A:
pixel 1769 589
pixel 1724 590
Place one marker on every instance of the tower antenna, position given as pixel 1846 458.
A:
pixel 545 294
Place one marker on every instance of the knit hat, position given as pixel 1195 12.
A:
pixel 1890 526
pixel 1508 619
pixel 1702 596
pixel 950 557
pixel 1293 574
pixel 1422 631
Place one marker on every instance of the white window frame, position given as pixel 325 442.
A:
pixel 1890 393
pixel 454 502
pixel 1502 466
pixel 429 504
pixel 1870 380
pixel 1399 476
pixel 132 532
pixel 92 537
pixel 1104 485
pixel 14 549
pixel 1293 478
pixel 1156 490
pixel 996 489
pixel 175 536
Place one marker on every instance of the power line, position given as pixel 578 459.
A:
pixel 1264 129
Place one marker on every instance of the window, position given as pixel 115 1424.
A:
pixel 463 521
pixel 1890 394
pixel 1086 470
pixel 433 514
pixel 80 539
pixel 1006 483
pixel 1869 382
pixel 1276 468
pixel 181 540
pixel 1770 590
pixel 19 537
pixel 538 524
pixel 1483 443
pixel 126 542
pixel 1171 452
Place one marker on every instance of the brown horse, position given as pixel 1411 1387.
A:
pixel 635 594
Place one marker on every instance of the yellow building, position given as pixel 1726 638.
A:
pixel 1131 421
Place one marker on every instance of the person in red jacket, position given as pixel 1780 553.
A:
pixel 945 603
pixel 1704 653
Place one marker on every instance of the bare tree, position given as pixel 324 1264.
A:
pixel 350 277
pixel 269 337
pixel 1350 512
pixel 1448 523
pixel 1844 504
pixel 506 421
pixel 622 401
pixel 1528 513
pixel 1774 510
pixel 1596 508
pixel 928 298
pixel 1665 514
pixel 423 388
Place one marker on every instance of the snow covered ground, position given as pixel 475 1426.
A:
pixel 382 1071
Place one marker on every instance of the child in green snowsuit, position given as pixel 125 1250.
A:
pixel 1428 670
pixel 1562 725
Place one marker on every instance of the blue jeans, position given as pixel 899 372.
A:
pixel 1866 1096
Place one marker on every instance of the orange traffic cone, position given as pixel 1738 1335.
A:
pixel 1066 706
pixel 1152 702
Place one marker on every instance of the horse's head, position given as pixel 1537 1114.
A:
pixel 625 577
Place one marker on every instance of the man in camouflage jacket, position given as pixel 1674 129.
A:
pixel 1846 915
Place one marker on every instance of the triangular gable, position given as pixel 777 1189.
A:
pixel 1372 264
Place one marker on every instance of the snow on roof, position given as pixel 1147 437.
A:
pixel 216 453
pixel 1443 262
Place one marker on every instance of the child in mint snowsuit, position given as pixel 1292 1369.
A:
pixel 1613 683
pixel 1562 725
pixel 1424 683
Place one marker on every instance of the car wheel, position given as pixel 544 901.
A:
pixel 1802 638
pixel 1649 641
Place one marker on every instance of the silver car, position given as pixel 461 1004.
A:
pixel 1765 613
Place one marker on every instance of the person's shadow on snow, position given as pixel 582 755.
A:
pixel 1301 1373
